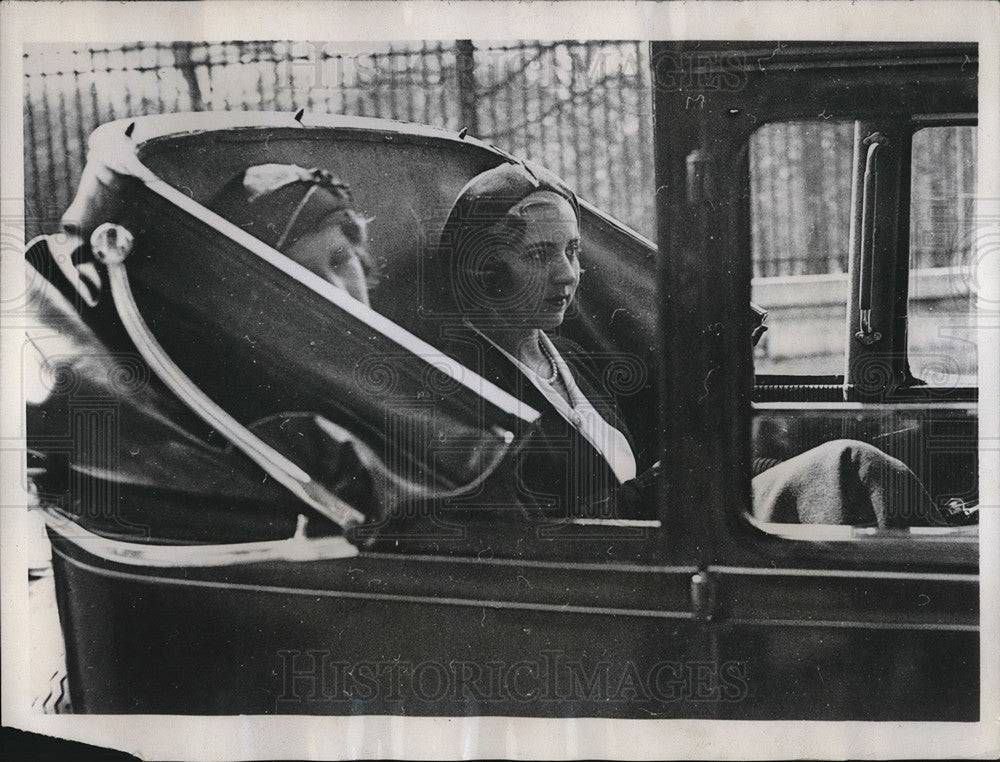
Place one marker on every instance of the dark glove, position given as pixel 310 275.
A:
pixel 636 498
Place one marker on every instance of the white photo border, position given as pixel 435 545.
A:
pixel 242 737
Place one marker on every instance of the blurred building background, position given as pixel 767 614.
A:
pixel 583 109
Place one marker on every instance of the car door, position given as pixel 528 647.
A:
pixel 835 622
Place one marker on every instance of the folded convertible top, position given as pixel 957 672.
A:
pixel 376 414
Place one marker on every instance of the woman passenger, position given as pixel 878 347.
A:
pixel 308 215
pixel 511 250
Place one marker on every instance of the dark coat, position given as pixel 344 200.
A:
pixel 557 469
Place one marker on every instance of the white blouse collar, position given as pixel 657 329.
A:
pixel 579 412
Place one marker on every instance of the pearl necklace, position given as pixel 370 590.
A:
pixel 552 361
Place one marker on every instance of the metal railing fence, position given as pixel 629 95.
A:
pixel 583 109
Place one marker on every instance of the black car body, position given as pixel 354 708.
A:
pixel 191 581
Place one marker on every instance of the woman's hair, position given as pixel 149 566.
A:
pixel 281 203
pixel 486 219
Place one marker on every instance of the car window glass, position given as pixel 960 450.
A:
pixel 941 333
pixel 800 204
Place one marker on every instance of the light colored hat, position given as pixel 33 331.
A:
pixel 278 202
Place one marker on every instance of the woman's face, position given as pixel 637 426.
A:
pixel 544 271
pixel 327 252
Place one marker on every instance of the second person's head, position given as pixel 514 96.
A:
pixel 306 214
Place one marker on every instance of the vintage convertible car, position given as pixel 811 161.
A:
pixel 209 561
